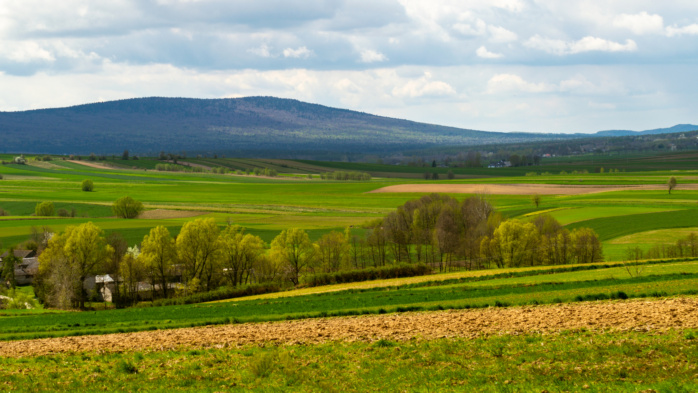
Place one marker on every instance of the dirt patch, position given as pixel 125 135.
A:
pixel 638 315
pixel 94 164
pixel 523 189
pixel 160 214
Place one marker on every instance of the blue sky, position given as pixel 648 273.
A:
pixel 499 65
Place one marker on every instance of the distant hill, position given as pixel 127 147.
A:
pixel 670 130
pixel 244 127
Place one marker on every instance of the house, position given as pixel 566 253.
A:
pixel 27 268
pixel 500 164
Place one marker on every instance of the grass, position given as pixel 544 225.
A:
pixel 660 278
pixel 566 361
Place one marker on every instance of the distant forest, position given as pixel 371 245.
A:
pixel 242 127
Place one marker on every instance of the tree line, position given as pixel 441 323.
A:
pixel 435 230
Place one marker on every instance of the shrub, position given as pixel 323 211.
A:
pixel 4 212
pixel 127 207
pixel 44 209
pixel 395 271
pixel 88 185
pixel 63 213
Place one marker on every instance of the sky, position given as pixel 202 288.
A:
pixel 495 65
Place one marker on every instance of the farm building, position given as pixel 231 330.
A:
pixel 27 268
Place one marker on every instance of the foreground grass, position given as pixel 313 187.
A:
pixel 568 361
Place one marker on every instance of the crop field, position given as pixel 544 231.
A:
pixel 266 206
pixel 539 286
pixel 611 326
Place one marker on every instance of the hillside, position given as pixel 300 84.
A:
pixel 670 130
pixel 243 127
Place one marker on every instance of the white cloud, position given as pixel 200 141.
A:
pixel 501 35
pixel 502 83
pixel 642 23
pixel 672 31
pixel 586 44
pixel 372 56
pixel 25 52
pixel 485 54
pixel 261 51
pixel 424 87
pixel 300 53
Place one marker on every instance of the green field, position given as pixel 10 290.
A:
pixel 537 286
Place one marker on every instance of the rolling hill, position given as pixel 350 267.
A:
pixel 243 127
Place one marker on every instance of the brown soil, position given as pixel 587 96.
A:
pixel 524 189
pixel 637 315
pixel 159 214
pixel 93 164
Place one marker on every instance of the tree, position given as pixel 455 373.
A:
pixel 68 260
pixel 240 253
pixel 124 155
pixel 536 200
pixel 158 252
pixel 44 209
pixel 293 249
pixel 450 175
pixel 331 250
pixel 198 249
pixel 127 207
pixel 132 271
pixel 88 185
pixel 8 268
pixel 671 184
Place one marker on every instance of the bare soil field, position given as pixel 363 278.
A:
pixel 629 315
pixel 524 189
pixel 94 164
pixel 160 214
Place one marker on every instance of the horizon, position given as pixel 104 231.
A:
pixel 504 66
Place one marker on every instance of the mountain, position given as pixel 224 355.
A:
pixel 243 127
pixel 670 130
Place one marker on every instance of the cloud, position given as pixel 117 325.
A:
pixel 372 56
pixel 424 87
pixel 642 23
pixel 25 52
pixel 672 31
pixel 501 35
pixel 261 51
pixel 586 44
pixel 485 54
pixel 503 83
pixel 300 53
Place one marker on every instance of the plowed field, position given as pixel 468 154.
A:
pixel 643 315
pixel 524 189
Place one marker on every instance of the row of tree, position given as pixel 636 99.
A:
pixel 345 175
pixel 437 230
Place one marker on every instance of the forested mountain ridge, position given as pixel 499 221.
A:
pixel 251 126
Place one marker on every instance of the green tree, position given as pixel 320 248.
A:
pixel 88 185
pixel 69 259
pixel 240 253
pixel 293 249
pixel 331 250
pixel 159 252
pixel 8 268
pixel 44 209
pixel 124 155
pixel 198 249
pixel 536 200
pixel 127 207
pixel 671 184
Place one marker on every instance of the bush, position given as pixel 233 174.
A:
pixel 395 271
pixel 62 213
pixel 44 209
pixel 88 185
pixel 220 294
pixel 127 207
